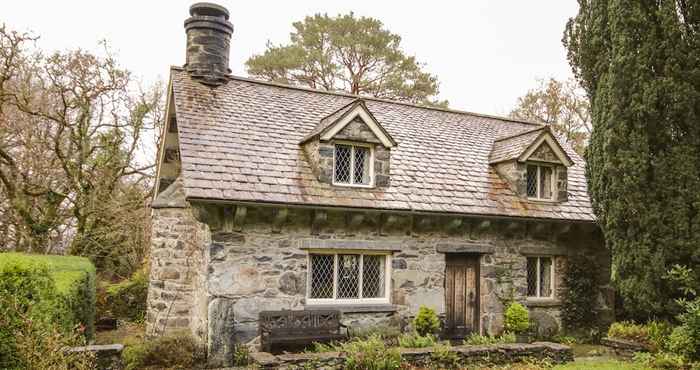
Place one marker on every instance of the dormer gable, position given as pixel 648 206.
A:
pixel 534 164
pixel 354 122
pixel 350 147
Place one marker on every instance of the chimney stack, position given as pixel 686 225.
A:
pixel 208 43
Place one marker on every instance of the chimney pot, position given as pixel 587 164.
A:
pixel 208 43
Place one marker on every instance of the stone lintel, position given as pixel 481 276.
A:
pixel 371 245
pixel 544 251
pixel 530 302
pixel 366 308
pixel 465 248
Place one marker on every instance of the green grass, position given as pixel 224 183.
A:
pixel 600 364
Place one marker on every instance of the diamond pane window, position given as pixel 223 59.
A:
pixel 540 182
pixel 352 165
pixel 373 276
pixel 321 276
pixel 539 277
pixel 348 277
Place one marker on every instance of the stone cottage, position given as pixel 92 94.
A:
pixel 278 197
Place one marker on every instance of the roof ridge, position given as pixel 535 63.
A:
pixel 521 133
pixel 339 93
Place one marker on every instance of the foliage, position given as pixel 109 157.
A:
pixel 685 339
pixel 384 331
pixel 241 356
pixel 73 128
pixel 565 339
pixel 43 346
pixel 661 360
pixel 562 105
pixel 516 318
pixel 370 354
pixel 43 294
pixel 347 53
pixel 125 300
pixel 578 310
pixel 443 357
pixel 178 350
pixel 426 321
pixel 637 62
pixel 653 333
pixel 415 340
pixel 476 339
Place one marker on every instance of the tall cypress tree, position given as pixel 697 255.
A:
pixel 639 61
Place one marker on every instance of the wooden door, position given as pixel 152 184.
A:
pixel 461 294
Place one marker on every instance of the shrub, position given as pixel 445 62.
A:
pixel 426 321
pixel 40 346
pixel 126 300
pixel 629 331
pixel 384 331
pixel 241 355
pixel 578 311
pixel 53 292
pixel 661 360
pixel 370 354
pixel 416 340
pixel 517 319
pixel 178 350
pixel 444 357
pixel 483 340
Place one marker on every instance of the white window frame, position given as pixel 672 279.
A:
pixel 352 183
pixel 538 179
pixel 537 278
pixel 349 301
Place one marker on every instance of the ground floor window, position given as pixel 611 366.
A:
pixel 540 277
pixel 348 277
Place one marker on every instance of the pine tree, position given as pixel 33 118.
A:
pixel 639 62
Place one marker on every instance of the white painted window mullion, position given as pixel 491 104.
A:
pixel 361 276
pixel 335 276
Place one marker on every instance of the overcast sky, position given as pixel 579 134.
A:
pixel 485 53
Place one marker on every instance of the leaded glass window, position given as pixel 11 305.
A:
pixel 348 276
pixel 540 182
pixel 352 165
pixel 540 276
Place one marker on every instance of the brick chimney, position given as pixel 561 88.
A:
pixel 208 43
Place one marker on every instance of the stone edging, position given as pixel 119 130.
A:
pixel 495 354
pixel 624 348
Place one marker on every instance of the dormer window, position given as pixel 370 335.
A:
pixel 352 165
pixel 540 182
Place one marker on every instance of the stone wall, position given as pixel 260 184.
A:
pixel 244 260
pixel 422 357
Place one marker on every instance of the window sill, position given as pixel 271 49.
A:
pixel 542 302
pixel 353 308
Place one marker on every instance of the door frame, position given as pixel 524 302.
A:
pixel 476 324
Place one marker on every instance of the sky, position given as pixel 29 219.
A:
pixel 485 53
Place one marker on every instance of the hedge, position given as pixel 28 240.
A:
pixel 54 291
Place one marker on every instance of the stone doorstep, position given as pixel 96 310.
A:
pixel 270 361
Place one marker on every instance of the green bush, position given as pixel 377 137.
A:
pixel 629 331
pixel 517 319
pixel 178 351
pixel 579 311
pixel 443 357
pixel 53 292
pixel 126 300
pixel 416 340
pixel 426 321
pixel 661 360
pixel 484 340
pixel 370 354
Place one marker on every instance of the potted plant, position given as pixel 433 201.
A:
pixel 517 321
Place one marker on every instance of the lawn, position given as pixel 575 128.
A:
pixel 600 364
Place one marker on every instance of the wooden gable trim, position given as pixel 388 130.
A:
pixel 359 110
pixel 548 138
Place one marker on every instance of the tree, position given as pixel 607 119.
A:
pixel 73 125
pixel 639 63
pixel 560 104
pixel 345 53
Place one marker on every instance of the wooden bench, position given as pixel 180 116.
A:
pixel 298 328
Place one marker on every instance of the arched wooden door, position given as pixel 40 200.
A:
pixel 461 294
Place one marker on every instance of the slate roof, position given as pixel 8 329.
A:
pixel 240 142
pixel 513 146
